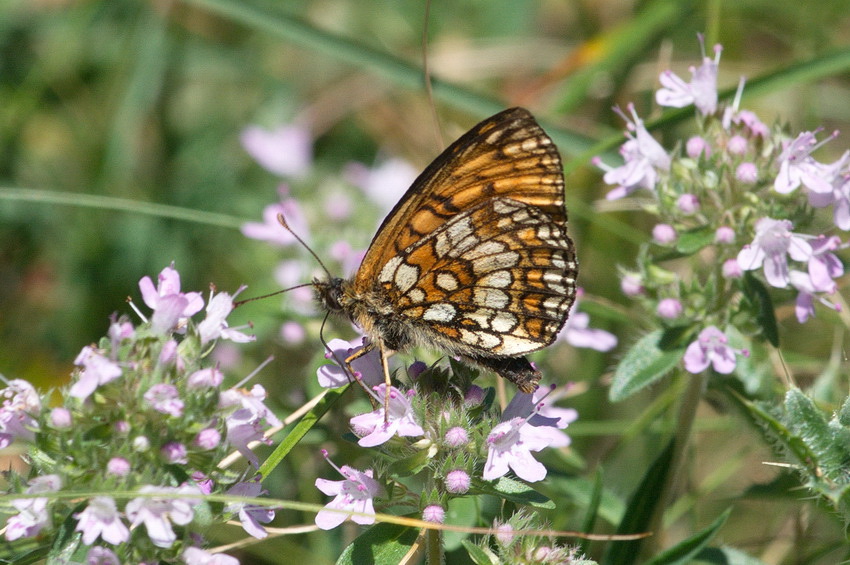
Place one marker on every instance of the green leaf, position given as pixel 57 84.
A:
pixel 652 357
pixel 759 298
pixel 726 556
pixel 515 491
pixel 307 422
pixel 478 555
pixel 685 550
pixel 411 465
pixel 640 510
pixel 695 239
pixel 382 544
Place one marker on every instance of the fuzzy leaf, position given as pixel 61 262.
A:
pixel 515 491
pixel 479 556
pixel 652 357
pixel 759 298
pixel 382 544
pixel 695 239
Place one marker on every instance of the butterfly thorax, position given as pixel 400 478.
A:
pixel 371 311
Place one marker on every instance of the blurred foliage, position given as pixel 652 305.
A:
pixel 145 100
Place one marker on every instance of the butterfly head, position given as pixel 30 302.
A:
pixel 330 293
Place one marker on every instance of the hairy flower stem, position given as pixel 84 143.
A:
pixel 687 414
pixel 434 545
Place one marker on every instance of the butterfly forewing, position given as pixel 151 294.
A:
pixel 476 255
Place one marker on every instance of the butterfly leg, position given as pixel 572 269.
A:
pixel 518 370
pixel 384 365
pixel 352 373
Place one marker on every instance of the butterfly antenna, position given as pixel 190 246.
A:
pixel 426 75
pixel 269 295
pixel 282 221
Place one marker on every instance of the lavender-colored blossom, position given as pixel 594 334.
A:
pixel 711 348
pixel 198 556
pixel 270 230
pixel 208 438
pixel 60 418
pixel 415 370
pixel 824 265
pixel 20 406
pixel 731 269
pixel 367 367
pixel 96 370
pixel 101 519
pixel 34 514
pixel 292 333
pixel 384 183
pixel 118 466
pixel 701 91
pixel 669 308
pixel 458 481
pixel 697 146
pixel 165 398
pixel 839 198
pixel 724 234
pixel 168 353
pixel 576 332
pixel 169 305
pixel 632 285
pixel 664 234
pixel 688 204
pixel 101 556
pixel 644 158
pixel 399 420
pixel 247 422
pixel 211 377
pixel 797 166
pixel 250 515
pixel 511 442
pixel 550 418
pixel 215 326
pixel 157 513
pixel 174 452
pixel 737 145
pixel 773 242
pixel 434 513
pixel 286 150
pixel 456 437
pixel 354 494
pixel 473 396
pixel 807 293
pixel 747 173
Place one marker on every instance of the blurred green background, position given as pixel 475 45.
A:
pixel 145 101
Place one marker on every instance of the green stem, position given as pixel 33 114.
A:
pixel 434 547
pixel 687 415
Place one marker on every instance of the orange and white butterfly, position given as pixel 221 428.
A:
pixel 474 260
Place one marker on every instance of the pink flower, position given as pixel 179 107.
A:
pixel 512 441
pixel 644 158
pixel 663 234
pixel 399 419
pixel 198 556
pixel 118 466
pixel 367 367
pixel 711 348
pixel 169 305
pixel 577 332
pixel 773 241
pixel 97 370
pixel 34 514
pixel 271 231
pixel 158 512
pixel 697 146
pixel 286 151
pixel 384 183
pixel 456 437
pixel 165 399
pixel 839 198
pixel 101 556
pixel 804 305
pixel 747 173
pixel 458 481
pixel 434 513
pixel 21 405
pixel 669 308
pixel 247 422
pixel 101 519
pixel 701 91
pixel 824 266
pixel 688 204
pixel 354 494
pixel 797 166
pixel 210 377
pixel 724 234
pixel 250 515
pixel 174 452
pixel 215 326
pixel 208 438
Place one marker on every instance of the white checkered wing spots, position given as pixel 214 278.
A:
pixel 499 278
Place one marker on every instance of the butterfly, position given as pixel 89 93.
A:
pixel 474 260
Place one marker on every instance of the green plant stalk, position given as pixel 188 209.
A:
pixel 687 415
pixel 434 547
